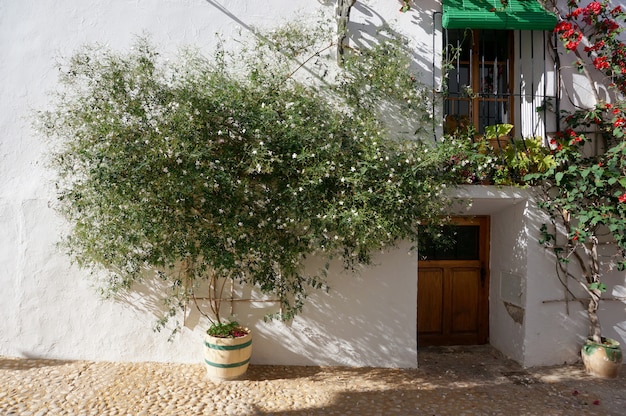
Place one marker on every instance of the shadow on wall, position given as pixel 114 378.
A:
pixel 364 29
pixel 366 319
pixel 562 302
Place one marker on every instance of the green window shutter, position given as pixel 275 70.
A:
pixel 493 14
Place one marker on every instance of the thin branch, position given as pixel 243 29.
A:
pixel 316 54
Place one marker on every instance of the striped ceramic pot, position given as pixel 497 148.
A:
pixel 227 358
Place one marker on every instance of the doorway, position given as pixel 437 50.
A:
pixel 453 284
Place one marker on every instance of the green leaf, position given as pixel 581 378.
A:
pixel 597 286
pixel 558 177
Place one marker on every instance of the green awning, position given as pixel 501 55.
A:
pixel 492 14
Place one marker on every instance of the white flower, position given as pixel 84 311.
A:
pixel 293 156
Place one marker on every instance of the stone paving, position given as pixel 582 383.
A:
pixel 450 381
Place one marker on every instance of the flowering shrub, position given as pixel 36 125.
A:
pixel 467 162
pixel 201 169
pixel 598 23
pixel 585 192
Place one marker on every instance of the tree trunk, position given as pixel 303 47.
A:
pixel 343 17
pixel 592 311
pixel 595 293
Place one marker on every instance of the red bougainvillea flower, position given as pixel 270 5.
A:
pixel 619 122
pixel 563 26
pixel 609 26
pixel 595 47
pixel 576 139
pixel 594 8
pixel 622 198
pixel 601 63
pixel 576 12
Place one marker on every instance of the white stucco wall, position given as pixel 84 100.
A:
pixel 50 309
pixel 536 327
pixel 556 329
pixel 367 319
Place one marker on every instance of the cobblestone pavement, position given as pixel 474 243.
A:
pixel 450 381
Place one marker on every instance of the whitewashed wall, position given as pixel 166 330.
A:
pixel 529 320
pixel 49 309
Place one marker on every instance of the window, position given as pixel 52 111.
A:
pixel 479 66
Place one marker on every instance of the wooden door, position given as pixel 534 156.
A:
pixel 453 286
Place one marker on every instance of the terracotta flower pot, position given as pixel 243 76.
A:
pixel 227 358
pixel 602 360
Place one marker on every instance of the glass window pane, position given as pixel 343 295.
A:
pixel 495 44
pixel 455 242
